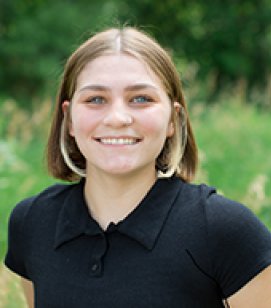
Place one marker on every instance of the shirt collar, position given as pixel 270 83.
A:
pixel 143 224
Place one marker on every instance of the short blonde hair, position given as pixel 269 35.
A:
pixel 179 154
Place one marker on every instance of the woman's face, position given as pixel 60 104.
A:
pixel 120 116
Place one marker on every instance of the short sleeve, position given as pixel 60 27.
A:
pixel 239 243
pixel 14 259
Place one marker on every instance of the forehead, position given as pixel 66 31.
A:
pixel 115 68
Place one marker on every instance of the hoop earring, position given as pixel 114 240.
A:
pixel 174 163
pixel 64 152
pixel 183 131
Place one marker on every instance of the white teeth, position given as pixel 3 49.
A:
pixel 117 141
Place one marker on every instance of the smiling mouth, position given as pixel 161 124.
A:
pixel 118 141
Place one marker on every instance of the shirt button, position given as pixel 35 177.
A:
pixel 94 267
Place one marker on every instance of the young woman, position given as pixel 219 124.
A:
pixel 132 231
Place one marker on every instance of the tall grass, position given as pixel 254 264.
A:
pixel 22 171
pixel 234 142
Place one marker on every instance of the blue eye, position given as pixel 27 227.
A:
pixel 141 99
pixel 97 100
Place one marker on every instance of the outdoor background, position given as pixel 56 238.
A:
pixel 221 49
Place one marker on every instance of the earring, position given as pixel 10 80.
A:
pixel 183 130
pixel 170 161
pixel 64 151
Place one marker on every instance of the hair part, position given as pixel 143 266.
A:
pixel 179 155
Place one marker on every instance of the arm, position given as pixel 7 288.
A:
pixel 28 291
pixel 256 293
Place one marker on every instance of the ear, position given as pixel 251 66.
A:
pixel 66 111
pixel 176 109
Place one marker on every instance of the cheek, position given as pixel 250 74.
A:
pixel 70 128
pixel 82 122
pixel 157 124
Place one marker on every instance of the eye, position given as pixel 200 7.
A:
pixel 96 100
pixel 141 99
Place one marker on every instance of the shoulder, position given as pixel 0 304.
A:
pixel 49 198
pixel 228 219
pixel 26 218
pixel 191 201
pixel 216 210
pixel 225 220
pixel 237 242
pixel 195 194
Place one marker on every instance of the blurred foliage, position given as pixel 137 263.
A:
pixel 36 38
pixel 229 39
pixel 226 41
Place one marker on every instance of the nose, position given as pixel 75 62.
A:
pixel 118 115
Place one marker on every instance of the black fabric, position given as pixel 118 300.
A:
pixel 183 246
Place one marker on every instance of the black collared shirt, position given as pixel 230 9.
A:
pixel 183 246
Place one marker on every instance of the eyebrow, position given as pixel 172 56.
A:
pixel 135 87
pixel 141 86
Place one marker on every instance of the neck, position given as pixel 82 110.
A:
pixel 110 198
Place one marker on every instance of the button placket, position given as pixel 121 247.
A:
pixel 96 263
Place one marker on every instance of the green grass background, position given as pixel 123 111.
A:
pixel 235 155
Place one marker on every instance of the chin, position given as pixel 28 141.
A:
pixel 120 171
pixel 124 171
